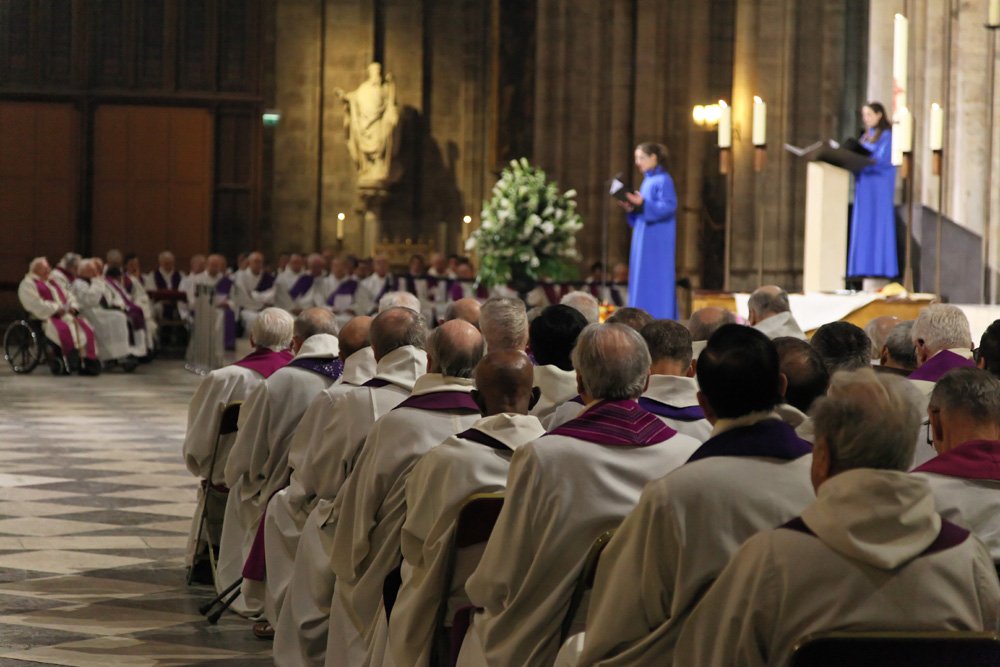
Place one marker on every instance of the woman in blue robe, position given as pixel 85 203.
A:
pixel 872 250
pixel 652 217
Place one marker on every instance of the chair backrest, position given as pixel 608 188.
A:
pixel 230 418
pixel 913 649
pixel 585 581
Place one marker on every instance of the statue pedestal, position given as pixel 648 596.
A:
pixel 370 210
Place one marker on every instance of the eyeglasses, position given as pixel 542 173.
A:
pixel 926 424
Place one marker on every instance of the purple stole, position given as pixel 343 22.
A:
pixel 69 276
pixel 976 459
pixel 456 290
pixel 376 383
pixel 331 367
pixel 62 329
pixel 551 293
pixel 265 361
pixel 223 287
pixel 441 401
pixel 475 435
pixel 690 414
pixel 770 438
pixel 135 316
pixel 949 536
pixel 617 423
pixel 301 286
pixel 161 282
pixel 265 282
pixel 386 287
pixel 616 297
pixel 347 288
pixel 411 284
pixel 942 362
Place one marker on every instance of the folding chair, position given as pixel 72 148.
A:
pixel 584 582
pixel 473 526
pixel 913 649
pixel 227 426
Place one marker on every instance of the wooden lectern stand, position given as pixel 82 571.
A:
pixel 828 186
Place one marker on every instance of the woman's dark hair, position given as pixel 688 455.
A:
pixel 658 150
pixel 883 122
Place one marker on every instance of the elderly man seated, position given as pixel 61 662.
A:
pixel 585 303
pixel 563 491
pixel 503 321
pixel 964 413
pixel 871 553
pixel 344 293
pixel 111 325
pixel 878 331
pixel 771 314
pixel 474 461
pixel 897 355
pixel 306 290
pixel 59 312
pixel 806 379
pixel 752 474
pixel 253 289
pixel 843 346
pixel 464 309
pixel 271 338
pixel 706 321
pixel 257 465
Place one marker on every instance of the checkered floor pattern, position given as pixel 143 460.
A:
pixel 95 506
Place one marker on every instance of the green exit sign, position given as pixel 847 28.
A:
pixel 271 117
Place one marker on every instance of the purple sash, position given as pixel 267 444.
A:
pixel 136 318
pixel 265 361
pixel 376 382
pixel 224 285
pixel 62 328
pixel 618 423
pixel 161 282
pixel 69 276
pixel 771 438
pixel 455 291
pixel 347 288
pixel 331 367
pixel 690 414
pixel 265 283
pixel 441 401
pixel 616 296
pixel 411 284
pixel 478 436
pixel 301 286
pixel 386 288
pixel 976 459
pixel 949 536
pixel 942 362
pixel 550 293
pixel 255 566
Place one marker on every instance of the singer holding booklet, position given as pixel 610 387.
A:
pixel 871 254
pixel 652 217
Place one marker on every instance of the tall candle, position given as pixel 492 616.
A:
pixel 902 135
pixel 759 134
pixel 937 127
pixel 340 226
pixel 993 18
pixel 725 125
pixel 900 52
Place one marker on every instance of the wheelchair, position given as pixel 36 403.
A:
pixel 25 346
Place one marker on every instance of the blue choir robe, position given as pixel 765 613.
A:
pixel 651 277
pixel 872 250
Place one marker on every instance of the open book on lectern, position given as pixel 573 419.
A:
pixel 851 156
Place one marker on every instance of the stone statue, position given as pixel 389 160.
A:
pixel 371 120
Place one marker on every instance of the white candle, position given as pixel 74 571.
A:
pixel 725 125
pixel 937 127
pixel 993 19
pixel 340 226
pixel 759 134
pixel 900 52
pixel 902 139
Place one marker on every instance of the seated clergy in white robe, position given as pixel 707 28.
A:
pixel 552 336
pixel 770 313
pixel 942 341
pixel 110 324
pixel 58 310
pixel 135 287
pixel 117 296
pixel 308 289
pixel 504 323
pixel 288 508
pixel 871 553
pixel 371 506
pixel 964 413
pixel 474 461
pixel 253 289
pixel 806 379
pixel 66 271
pixel 303 615
pixel 344 293
pixel 563 491
pixel 751 475
pixel 271 338
pixel 257 465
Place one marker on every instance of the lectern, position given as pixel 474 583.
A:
pixel 828 185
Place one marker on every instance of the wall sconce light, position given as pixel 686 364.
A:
pixel 706 115
pixel 467 219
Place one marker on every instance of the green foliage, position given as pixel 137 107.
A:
pixel 528 229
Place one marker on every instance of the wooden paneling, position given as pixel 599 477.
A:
pixel 152 180
pixel 39 145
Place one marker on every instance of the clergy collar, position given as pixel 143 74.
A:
pixel 976 459
pixel 555 382
pixel 359 367
pixel 444 393
pixel 673 390
pixel 790 414
pixel 766 437
pixel 942 362
pixel 616 423
pixel 265 361
pixel 749 419
pixel 400 367
pixel 319 346
pixel 430 383
pixel 504 431
pixel 782 324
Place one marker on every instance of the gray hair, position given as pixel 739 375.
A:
pixel 900 344
pixel 451 359
pixel 765 301
pixel 504 323
pixel 273 329
pixel 70 261
pixel 396 328
pixel 970 391
pixel 706 321
pixel 398 300
pixel 585 303
pixel 667 339
pixel 868 420
pixel 942 326
pixel 114 256
pixel 312 321
pixel 878 331
pixel 36 261
pixel 164 255
pixel 612 361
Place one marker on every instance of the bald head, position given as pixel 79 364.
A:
pixel 454 349
pixel 505 380
pixel 355 336
pixel 706 321
pixel 312 321
pixel 464 309
pixel 878 331
pixel 395 328
pixel 767 301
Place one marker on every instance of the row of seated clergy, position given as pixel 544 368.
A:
pixel 257 465
pixel 46 300
pixel 271 338
pixel 105 309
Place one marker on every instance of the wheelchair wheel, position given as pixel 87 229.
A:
pixel 23 347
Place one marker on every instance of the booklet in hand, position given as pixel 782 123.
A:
pixel 619 190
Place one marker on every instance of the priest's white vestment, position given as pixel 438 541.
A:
pixel 110 324
pixel 556 385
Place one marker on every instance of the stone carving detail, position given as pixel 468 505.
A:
pixel 371 122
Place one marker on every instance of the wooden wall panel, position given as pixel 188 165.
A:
pixel 152 180
pixel 39 148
